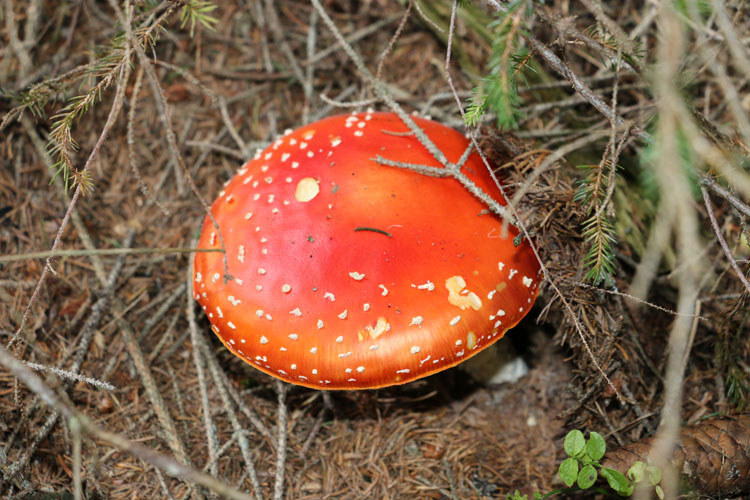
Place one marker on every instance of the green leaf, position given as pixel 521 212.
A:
pixel 618 482
pixel 587 477
pixel 654 474
pixel 659 492
pixel 516 496
pixel 596 446
pixel 636 472
pixel 568 471
pixel 574 443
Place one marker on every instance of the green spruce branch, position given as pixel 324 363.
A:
pixel 498 92
pixel 109 63
pixel 599 228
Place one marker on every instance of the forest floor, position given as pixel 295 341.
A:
pixel 598 360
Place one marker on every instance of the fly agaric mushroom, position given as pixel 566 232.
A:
pixel 353 275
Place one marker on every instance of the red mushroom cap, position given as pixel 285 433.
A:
pixel 353 275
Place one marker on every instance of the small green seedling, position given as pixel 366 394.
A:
pixel 582 467
pixel 640 471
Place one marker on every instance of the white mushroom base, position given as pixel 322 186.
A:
pixel 498 364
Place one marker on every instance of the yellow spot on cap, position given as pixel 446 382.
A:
pixel 380 327
pixel 456 285
pixel 307 189
pixel 471 340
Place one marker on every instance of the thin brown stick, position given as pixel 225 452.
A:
pixel 164 114
pixel 736 202
pixel 80 227
pixel 220 383
pixel 631 297
pixel 88 427
pixel 198 361
pixel 313 433
pixel 75 430
pixel 131 141
pixel 711 155
pixel 111 117
pixel 152 321
pixel 312 37
pixel 201 351
pixel 102 252
pixel 149 384
pixel 623 40
pixel 278 486
pixel 581 88
pixel 278 34
pixel 722 241
pixel 82 347
pixel 392 41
